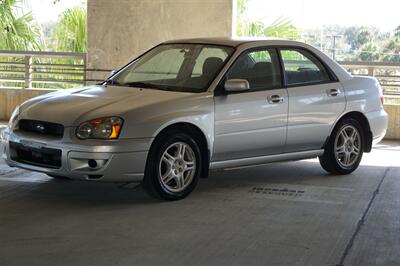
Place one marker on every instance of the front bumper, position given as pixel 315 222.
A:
pixel 121 160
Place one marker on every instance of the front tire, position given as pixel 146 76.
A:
pixel 173 166
pixel 345 147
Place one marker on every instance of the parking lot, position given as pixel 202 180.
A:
pixel 279 214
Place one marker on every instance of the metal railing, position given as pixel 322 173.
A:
pixel 57 70
pixel 388 74
pixel 50 70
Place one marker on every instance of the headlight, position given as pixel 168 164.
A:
pixel 101 128
pixel 13 117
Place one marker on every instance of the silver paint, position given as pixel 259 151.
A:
pixel 241 129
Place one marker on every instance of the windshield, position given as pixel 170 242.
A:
pixel 176 67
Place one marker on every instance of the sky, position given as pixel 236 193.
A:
pixel 309 14
pixel 46 11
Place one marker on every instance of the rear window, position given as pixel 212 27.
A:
pixel 302 68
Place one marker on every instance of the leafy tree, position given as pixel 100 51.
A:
pixel 350 35
pixel 364 36
pixel 369 52
pixel 358 36
pixel 397 31
pixel 18 31
pixel 391 50
pixel 70 32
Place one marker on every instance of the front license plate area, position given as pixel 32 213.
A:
pixel 44 157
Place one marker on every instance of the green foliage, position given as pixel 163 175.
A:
pixel 70 32
pixel 373 45
pixel 280 28
pixel 397 31
pixel 356 43
pixel 18 31
pixel 368 52
pixel 351 43
pixel 391 50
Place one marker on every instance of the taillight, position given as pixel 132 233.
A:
pixel 381 94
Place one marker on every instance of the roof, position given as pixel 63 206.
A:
pixel 230 41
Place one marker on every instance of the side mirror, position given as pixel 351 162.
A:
pixel 236 85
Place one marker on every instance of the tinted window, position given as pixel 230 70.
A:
pixel 178 67
pixel 301 67
pixel 216 54
pixel 260 68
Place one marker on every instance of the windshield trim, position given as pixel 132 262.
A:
pixel 172 88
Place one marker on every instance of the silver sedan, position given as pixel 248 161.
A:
pixel 187 106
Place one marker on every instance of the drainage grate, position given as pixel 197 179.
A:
pixel 304 193
pixel 277 191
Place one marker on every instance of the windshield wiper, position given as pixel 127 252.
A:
pixel 140 85
pixel 111 82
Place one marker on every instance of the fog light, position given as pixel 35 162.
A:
pixel 92 163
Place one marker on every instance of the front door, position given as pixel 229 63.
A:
pixel 252 123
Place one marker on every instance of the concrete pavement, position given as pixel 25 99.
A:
pixel 279 214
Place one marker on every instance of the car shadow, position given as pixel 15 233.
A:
pixel 85 194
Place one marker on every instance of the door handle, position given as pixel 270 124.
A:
pixel 333 92
pixel 275 99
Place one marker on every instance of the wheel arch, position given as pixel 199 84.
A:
pixel 362 119
pixel 197 134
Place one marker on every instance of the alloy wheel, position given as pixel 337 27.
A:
pixel 347 146
pixel 177 167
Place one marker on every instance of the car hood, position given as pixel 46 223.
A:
pixel 73 106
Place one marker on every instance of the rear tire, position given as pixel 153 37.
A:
pixel 173 166
pixel 345 148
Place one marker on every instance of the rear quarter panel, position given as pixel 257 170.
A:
pixel 363 95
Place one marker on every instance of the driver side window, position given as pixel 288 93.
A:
pixel 260 68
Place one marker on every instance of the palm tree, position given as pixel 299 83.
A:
pixel 70 33
pixel 18 31
pixel 280 28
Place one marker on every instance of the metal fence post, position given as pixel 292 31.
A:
pixel 84 69
pixel 28 72
pixel 371 71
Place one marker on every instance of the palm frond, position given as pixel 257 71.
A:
pixel 280 28
pixel 70 32
pixel 18 31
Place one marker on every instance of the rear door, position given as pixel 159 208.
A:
pixel 252 123
pixel 316 99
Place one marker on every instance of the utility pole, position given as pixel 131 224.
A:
pixel 322 39
pixel 334 37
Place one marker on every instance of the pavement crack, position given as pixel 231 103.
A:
pixel 361 222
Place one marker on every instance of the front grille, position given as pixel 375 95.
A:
pixel 44 157
pixel 40 127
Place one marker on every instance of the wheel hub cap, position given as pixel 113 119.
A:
pixel 347 146
pixel 177 167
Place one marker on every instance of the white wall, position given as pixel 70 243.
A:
pixel 120 30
